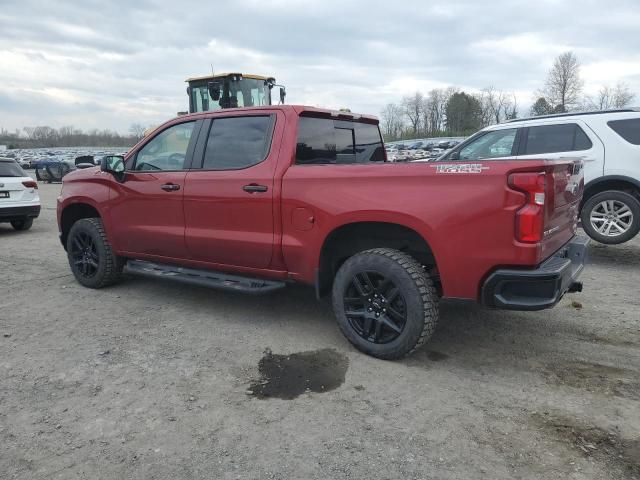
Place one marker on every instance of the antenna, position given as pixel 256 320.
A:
pixel 212 74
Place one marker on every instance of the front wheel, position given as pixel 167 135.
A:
pixel 611 217
pixel 385 303
pixel 91 258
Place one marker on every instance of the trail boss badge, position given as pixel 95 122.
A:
pixel 460 168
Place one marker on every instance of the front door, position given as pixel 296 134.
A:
pixel 228 194
pixel 147 208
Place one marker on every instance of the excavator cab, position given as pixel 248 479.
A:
pixel 231 90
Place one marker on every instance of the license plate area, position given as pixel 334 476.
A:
pixel 4 194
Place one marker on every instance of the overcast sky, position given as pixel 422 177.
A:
pixel 108 64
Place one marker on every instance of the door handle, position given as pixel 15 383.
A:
pixel 254 188
pixel 170 187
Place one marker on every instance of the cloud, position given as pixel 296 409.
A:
pixel 99 64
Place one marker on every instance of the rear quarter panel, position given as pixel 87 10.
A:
pixel 466 217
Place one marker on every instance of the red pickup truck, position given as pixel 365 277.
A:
pixel 252 199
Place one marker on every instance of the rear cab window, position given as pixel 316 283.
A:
pixel 629 129
pixel 323 141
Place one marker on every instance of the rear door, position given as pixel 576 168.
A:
pixel 229 193
pixel 564 139
pixel 147 208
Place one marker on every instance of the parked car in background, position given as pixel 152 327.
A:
pixel 19 199
pixel 607 141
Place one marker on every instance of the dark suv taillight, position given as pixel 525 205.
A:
pixel 530 217
pixel 30 184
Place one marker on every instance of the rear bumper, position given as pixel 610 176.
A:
pixel 541 288
pixel 14 213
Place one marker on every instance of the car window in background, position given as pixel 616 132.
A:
pixel 493 144
pixel 628 129
pixel 327 141
pixel 238 142
pixel 568 137
pixel 11 169
pixel 167 150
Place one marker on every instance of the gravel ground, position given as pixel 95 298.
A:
pixel 155 380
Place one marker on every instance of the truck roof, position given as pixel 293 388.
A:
pixel 301 110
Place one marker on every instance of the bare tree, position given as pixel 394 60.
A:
pixel 510 108
pixel 137 130
pixel 412 106
pixel 391 120
pixel 564 85
pixel 610 97
pixel 622 96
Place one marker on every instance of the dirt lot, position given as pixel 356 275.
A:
pixel 154 380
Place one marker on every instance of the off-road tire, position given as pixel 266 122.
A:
pixel 22 224
pixel 632 202
pixel 110 266
pixel 416 287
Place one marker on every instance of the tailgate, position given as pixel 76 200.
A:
pixel 565 186
pixel 12 190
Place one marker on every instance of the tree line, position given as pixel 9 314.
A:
pixel 453 112
pixel 446 112
pixel 68 136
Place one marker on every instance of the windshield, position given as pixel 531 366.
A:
pixel 248 92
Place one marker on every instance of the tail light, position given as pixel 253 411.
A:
pixel 530 217
pixel 30 184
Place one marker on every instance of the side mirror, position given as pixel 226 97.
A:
pixel 113 164
pixel 283 94
pixel 455 155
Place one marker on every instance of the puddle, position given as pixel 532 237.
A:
pixel 289 376
pixel 590 441
pixel 595 377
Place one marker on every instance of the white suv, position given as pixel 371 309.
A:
pixel 19 199
pixel 607 141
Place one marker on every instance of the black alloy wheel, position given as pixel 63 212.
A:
pixel 84 254
pixel 375 307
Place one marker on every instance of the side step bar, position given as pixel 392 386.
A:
pixel 203 278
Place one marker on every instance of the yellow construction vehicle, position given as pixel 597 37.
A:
pixel 230 90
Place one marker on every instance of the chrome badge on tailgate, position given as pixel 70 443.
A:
pixel 460 168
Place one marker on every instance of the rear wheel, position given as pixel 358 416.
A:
pixel 22 224
pixel 385 303
pixel 91 258
pixel 611 217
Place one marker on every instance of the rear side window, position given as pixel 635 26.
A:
pixel 568 137
pixel 11 169
pixel 238 142
pixel 628 129
pixel 327 141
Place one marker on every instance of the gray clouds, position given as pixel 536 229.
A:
pixel 110 64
